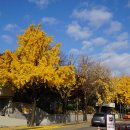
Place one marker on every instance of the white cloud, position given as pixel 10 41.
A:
pixel 41 3
pixel 96 17
pixel 99 41
pixel 117 46
pixel 74 51
pixel 78 32
pixel 6 38
pixel 119 63
pixel 115 26
pixel 120 44
pixel 86 45
pixel 128 5
pixel 11 27
pixel 49 20
pixel 87 48
pixel 123 36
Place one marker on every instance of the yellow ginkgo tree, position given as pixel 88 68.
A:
pixel 35 63
pixel 5 68
pixel 123 89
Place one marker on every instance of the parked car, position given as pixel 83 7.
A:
pixel 99 119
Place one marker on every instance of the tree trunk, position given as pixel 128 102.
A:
pixel 33 113
pixel 100 108
pixel 64 109
pixel 77 110
pixel 85 108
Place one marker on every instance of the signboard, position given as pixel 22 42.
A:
pixel 110 122
pixel 107 104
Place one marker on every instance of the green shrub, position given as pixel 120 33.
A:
pixel 71 106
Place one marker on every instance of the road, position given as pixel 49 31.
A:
pixel 83 126
pixel 91 128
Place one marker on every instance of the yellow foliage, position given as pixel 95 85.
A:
pixel 35 61
pixel 105 92
pixel 122 85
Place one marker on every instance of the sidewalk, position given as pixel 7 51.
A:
pixel 69 126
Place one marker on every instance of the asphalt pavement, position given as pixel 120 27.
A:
pixel 87 126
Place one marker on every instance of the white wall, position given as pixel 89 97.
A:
pixel 48 119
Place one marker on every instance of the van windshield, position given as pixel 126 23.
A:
pixel 99 114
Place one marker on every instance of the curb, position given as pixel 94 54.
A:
pixel 77 123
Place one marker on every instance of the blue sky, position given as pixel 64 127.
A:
pixel 97 28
